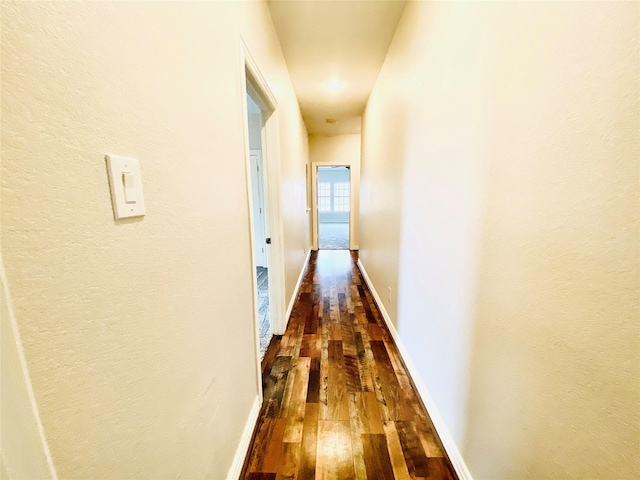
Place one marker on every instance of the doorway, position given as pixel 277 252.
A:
pixel 262 155
pixel 333 207
pixel 259 221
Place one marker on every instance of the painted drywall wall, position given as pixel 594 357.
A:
pixel 294 155
pixel 23 449
pixel 500 200
pixel 138 334
pixel 255 127
pixel 344 149
pixel 255 124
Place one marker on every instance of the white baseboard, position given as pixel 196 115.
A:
pixel 241 452
pixel 292 301
pixel 441 428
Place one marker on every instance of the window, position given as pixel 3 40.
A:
pixel 341 197
pixel 334 197
pixel 324 196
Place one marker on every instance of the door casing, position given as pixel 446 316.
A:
pixel 314 202
pixel 253 83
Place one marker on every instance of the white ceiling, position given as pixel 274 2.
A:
pixel 328 39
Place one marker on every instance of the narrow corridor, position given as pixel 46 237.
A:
pixel 338 402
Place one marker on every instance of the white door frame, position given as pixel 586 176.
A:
pixel 253 83
pixel 314 201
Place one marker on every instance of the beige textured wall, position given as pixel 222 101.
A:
pixel 340 148
pixel 23 451
pixel 294 155
pixel 500 198
pixel 255 131
pixel 138 334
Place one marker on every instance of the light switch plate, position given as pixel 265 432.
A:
pixel 124 172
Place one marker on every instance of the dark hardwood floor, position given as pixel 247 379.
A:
pixel 338 401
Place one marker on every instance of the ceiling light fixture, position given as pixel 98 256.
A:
pixel 334 85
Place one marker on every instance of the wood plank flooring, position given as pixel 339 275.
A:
pixel 338 401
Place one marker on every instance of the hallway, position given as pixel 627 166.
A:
pixel 338 403
pixel 492 150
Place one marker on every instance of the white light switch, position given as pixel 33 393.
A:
pixel 129 184
pixel 126 186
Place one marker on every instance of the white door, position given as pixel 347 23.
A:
pixel 259 222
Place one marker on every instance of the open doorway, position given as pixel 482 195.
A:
pixel 262 157
pixel 333 200
pixel 259 221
